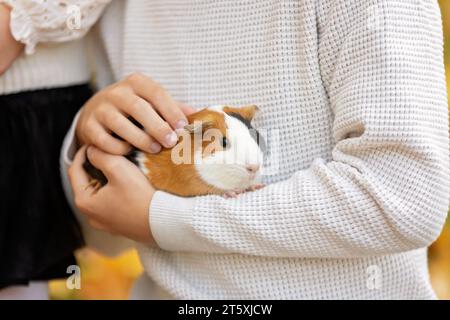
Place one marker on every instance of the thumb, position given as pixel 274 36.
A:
pixel 107 163
pixel 76 173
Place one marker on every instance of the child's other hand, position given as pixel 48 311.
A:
pixel 10 48
pixel 143 99
pixel 122 205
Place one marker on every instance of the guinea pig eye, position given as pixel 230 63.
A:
pixel 224 142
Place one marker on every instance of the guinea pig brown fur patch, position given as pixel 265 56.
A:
pixel 247 112
pixel 182 179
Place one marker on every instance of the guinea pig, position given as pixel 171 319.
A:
pixel 218 152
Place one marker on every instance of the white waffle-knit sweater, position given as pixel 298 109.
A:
pixel 356 91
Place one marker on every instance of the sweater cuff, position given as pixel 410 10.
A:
pixel 70 145
pixel 171 220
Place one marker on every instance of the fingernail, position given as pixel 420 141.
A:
pixel 155 147
pixel 171 139
pixel 181 124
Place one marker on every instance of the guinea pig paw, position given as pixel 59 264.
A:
pixel 230 194
pixel 256 187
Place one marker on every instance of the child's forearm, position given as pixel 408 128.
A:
pixel 10 48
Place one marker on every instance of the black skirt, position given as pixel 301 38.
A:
pixel 38 231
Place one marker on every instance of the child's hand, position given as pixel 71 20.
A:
pixel 141 98
pixel 122 205
pixel 10 48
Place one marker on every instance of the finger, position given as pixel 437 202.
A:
pixel 79 179
pixel 110 165
pixel 155 94
pixel 120 125
pixel 102 139
pixel 187 110
pixel 97 225
pixel 152 122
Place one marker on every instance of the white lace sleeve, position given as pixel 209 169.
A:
pixel 35 21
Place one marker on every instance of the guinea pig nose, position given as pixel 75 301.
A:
pixel 252 168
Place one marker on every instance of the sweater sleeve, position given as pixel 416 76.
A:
pixel 386 188
pixel 33 22
pixel 104 242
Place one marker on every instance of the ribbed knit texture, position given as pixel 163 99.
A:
pixel 356 91
pixel 51 66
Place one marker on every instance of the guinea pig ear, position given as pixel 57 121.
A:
pixel 246 112
pixel 198 126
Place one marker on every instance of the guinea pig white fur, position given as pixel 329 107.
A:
pixel 237 166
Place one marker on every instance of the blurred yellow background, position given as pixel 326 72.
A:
pixel 439 253
pixel 106 278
